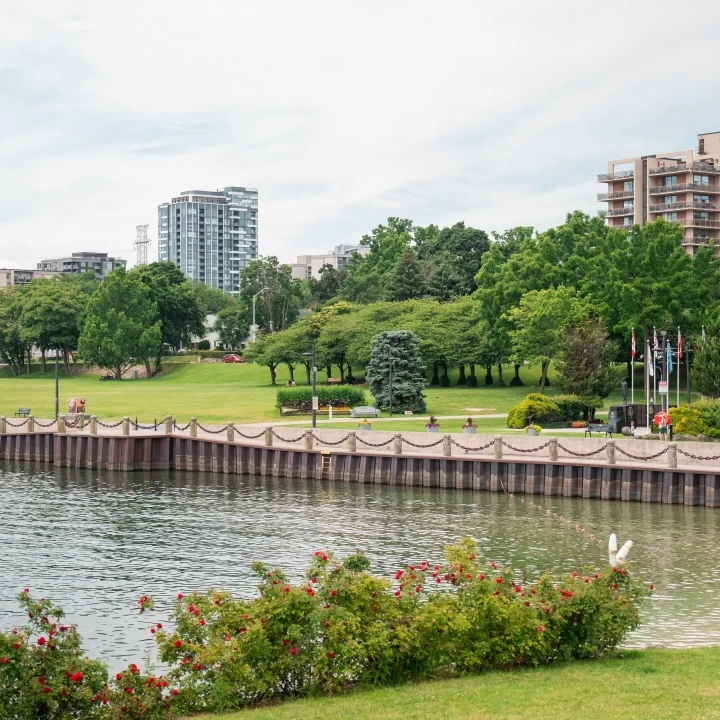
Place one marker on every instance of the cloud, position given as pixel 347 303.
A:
pixel 341 114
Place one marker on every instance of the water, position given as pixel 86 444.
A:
pixel 95 543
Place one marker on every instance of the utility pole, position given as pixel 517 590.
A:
pixel 57 385
pixel 141 244
pixel 314 382
pixel 664 371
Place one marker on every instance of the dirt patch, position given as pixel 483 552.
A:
pixel 477 410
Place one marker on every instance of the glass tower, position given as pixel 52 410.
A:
pixel 210 236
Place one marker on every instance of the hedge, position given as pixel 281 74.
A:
pixel 300 398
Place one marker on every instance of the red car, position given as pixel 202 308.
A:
pixel 232 358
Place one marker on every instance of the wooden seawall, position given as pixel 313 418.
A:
pixel 587 478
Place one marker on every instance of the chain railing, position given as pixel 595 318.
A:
pixel 381 444
pixel 46 425
pixel 416 445
pixel 641 457
pixel 181 428
pixel 580 454
pixel 698 457
pixel 526 450
pixel 282 439
pixel 20 424
pixel 250 437
pixel 471 449
pixel 213 432
pixel 328 442
pixel 110 425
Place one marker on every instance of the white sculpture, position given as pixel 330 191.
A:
pixel 616 556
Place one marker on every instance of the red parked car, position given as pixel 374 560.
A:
pixel 232 358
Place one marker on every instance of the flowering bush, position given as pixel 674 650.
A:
pixel 578 424
pixel 341 626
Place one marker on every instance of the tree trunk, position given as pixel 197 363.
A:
pixel 472 369
pixel 43 366
pixel 308 374
pixel 488 375
pixel 543 378
pixel 66 362
pixel 341 367
pixel 272 374
pixel 148 369
pixel 500 377
pixel 118 372
pixel 350 377
pixel 462 380
pixel 291 369
pixel 516 379
pixel 435 376
pixel 29 358
pixel 329 371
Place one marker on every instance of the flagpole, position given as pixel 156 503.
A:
pixel 632 372
pixel 678 368
pixel 647 383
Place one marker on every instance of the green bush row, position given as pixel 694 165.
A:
pixel 335 395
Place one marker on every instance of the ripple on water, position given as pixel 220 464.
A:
pixel 95 543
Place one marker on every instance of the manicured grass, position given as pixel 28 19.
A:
pixel 634 685
pixel 218 392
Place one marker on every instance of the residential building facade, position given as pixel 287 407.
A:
pixel 210 235
pixel 99 263
pixel 308 266
pixel 681 186
pixel 10 276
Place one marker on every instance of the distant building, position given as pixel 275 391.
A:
pixel 10 276
pixel 80 262
pixel 210 235
pixel 308 266
pixel 681 186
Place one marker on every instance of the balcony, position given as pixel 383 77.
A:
pixel 617 212
pixel 666 207
pixel 710 189
pixel 694 222
pixel 609 177
pixel 706 168
pixel 670 169
pixel 603 197
pixel 705 206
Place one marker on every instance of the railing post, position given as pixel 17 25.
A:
pixel 447 446
pixel 497 448
pixel 3 424
pixel 126 426
pixel 93 424
pixel 610 452
pixel 61 427
pixel 81 422
pixel 352 441
pixel 268 437
pixel 230 432
pixel 308 439
pixel 168 424
pixel 553 450
pixel 193 427
pixel 397 444
pixel 31 424
pixel 672 455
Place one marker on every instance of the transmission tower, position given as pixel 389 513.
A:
pixel 141 244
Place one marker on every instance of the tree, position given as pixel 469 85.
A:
pixel 407 280
pixel 328 286
pixel 705 372
pixel 122 326
pixel 539 323
pixel 408 377
pixel 280 296
pixel 12 348
pixel 232 324
pixel 177 303
pixel 210 300
pixel 263 352
pixel 584 366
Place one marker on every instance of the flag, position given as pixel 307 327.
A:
pixel 655 342
pixel 651 362
pixel 704 337
pixel 669 359
pixel 680 345
pixel 632 349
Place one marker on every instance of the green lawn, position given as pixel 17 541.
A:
pixel 646 685
pixel 218 392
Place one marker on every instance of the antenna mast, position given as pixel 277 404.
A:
pixel 141 244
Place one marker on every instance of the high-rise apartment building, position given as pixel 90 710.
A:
pixel 308 266
pixel 210 236
pixel 99 263
pixel 682 186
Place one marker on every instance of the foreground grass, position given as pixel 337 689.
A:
pixel 218 392
pixel 634 685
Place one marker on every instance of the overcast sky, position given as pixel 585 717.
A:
pixel 340 113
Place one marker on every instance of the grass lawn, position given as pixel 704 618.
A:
pixel 635 685
pixel 218 392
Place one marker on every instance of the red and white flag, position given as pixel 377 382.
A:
pixel 680 345
pixel 655 342
pixel 632 348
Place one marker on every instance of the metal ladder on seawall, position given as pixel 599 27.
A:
pixel 324 463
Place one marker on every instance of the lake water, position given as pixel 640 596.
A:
pixel 95 543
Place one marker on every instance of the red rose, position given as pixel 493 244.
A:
pixel 152 631
pixel 398 574
pixel 497 592
pixel 191 608
pixel 541 628
pixel 128 690
pixel 46 689
pixel 293 651
pixel 180 596
pixel 333 593
pixel 3 661
pixel 174 691
pixel 652 587
pixel 41 641
pixel 518 588
pixel 468 576
pixel 331 655
pixel 498 580
pixel 202 621
pixel 178 643
pixel 26 590
pixel 494 566
pixel 16 646
pixel 76 677
pixel 118 677
pixel 286 589
pixel 527 603
pixel 438 579
pixel 396 593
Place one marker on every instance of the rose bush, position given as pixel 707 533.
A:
pixel 341 626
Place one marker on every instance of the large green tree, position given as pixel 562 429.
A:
pixel 705 372
pixel 12 347
pixel 122 326
pixel 210 300
pixel 232 324
pixel 407 279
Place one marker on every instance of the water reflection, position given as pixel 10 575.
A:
pixel 95 543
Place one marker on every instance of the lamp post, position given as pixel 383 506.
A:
pixel 664 370
pixel 253 333
pixel 390 393
pixel 57 385
pixel 314 383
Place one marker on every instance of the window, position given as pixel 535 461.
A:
pixel 701 215
pixel 701 198
pixel 701 179
pixel 670 181
pixel 629 185
pixel 669 199
pixel 627 221
pixel 670 217
pixel 627 203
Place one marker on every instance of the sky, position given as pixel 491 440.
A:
pixel 342 114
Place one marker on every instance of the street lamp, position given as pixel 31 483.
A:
pixel 57 385
pixel 314 383
pixel 253 332
pixel 664 371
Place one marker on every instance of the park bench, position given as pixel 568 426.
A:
pixel 22 412
pixel 364 411
pixel 597 428
pixel 334 381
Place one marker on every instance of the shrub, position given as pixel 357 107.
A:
pixel 472 381
pixel 688 420
pixel 710 413
pixel 300 398
pixel 533 407
pixel 571 406
pixel 217 354
pixel 204 345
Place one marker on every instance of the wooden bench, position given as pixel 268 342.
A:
pixel 334 381
pixel 598 428
pixel 22 412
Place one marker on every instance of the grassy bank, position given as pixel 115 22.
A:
pixel 633 685
pixel 218 392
